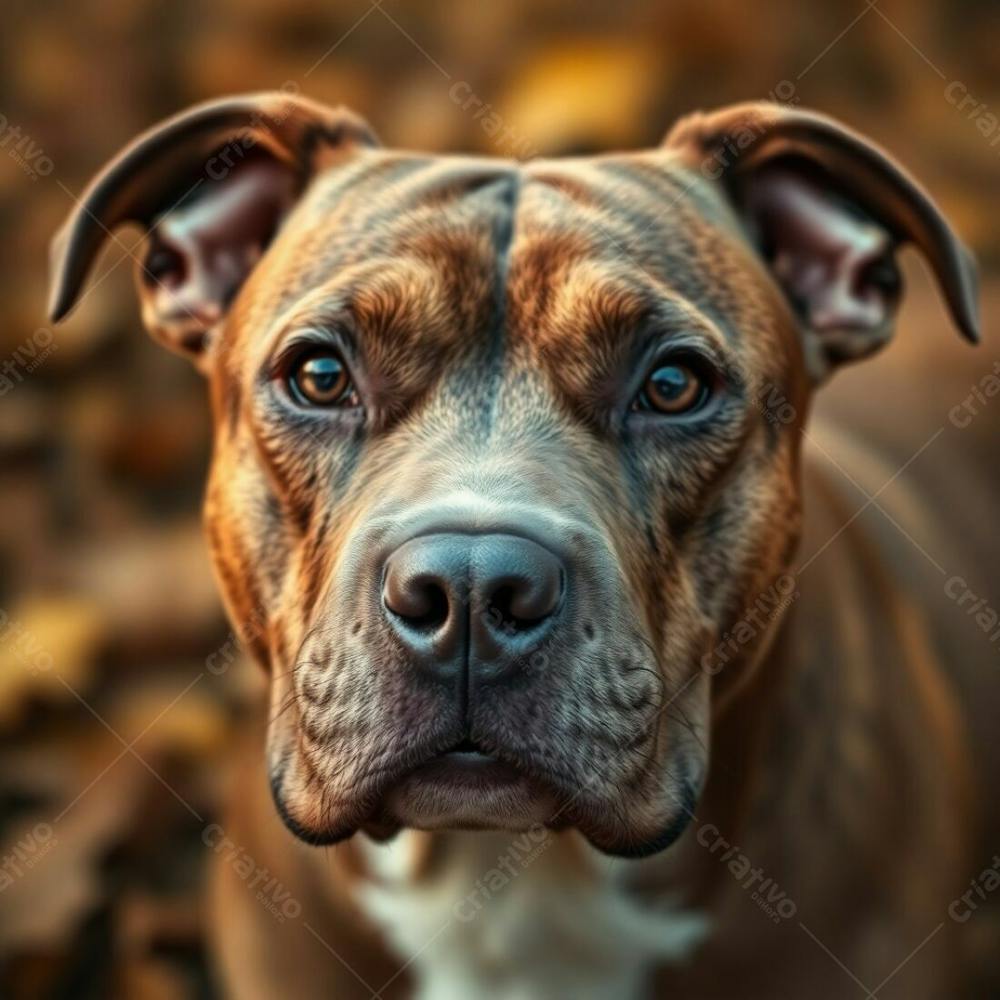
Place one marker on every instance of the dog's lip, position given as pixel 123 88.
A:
pixel 466 762
pixel 465 748
pixel 465 787
pixel 465 765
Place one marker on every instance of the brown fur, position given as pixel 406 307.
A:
pixel 493 312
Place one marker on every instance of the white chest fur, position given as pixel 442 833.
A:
pixel 507 916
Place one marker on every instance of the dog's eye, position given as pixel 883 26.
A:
pixel 320 378
pixel 673 388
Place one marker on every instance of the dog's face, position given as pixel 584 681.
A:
pixel 504 452
pixel 501 484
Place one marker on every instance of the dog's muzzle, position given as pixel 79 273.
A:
pixel 480 666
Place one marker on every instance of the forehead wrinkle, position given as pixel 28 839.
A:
pixel 408 195
pixel 618 198
pixel 599 298
pixel 442 212
pixel 376 206
pixel 599 229
pixel 655 214
pixel 399 306
pixel 383 296
pixel 384 184
pixel 591 304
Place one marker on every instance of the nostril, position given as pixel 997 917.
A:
pixel 524 604
pixel 499 608
pixel 421 601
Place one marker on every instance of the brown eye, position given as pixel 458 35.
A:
pixel 320 378
pixel 673 389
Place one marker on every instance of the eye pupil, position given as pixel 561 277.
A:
pixel 320 379
pixel 672 389
pixel 671 382
pixel 324 373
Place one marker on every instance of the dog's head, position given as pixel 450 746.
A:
pixel 505 452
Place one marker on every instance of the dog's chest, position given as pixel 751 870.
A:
pixel 509 917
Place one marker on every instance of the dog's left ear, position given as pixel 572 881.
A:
pixel 210 186
pixel 828 209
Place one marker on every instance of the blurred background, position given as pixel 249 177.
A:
pixel 120 684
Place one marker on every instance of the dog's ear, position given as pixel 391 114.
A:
pixel 828 210
pixel 210 186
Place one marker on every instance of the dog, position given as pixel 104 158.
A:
pixel 514 500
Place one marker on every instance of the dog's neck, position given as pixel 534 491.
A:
pixel 483 916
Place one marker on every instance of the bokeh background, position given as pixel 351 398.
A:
pixel 120 688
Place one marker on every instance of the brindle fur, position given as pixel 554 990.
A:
pixel 492 312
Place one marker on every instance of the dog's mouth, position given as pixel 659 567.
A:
pixel 467 787
pixel 467 763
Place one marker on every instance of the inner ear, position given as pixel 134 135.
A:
pixel 836 264
pixel 827 208
pixel 199 252
pixel 210 186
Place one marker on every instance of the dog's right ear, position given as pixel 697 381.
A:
pixel 211 187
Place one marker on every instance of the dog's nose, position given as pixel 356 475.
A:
pixel 476 600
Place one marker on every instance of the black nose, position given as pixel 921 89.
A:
pixel 482 601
